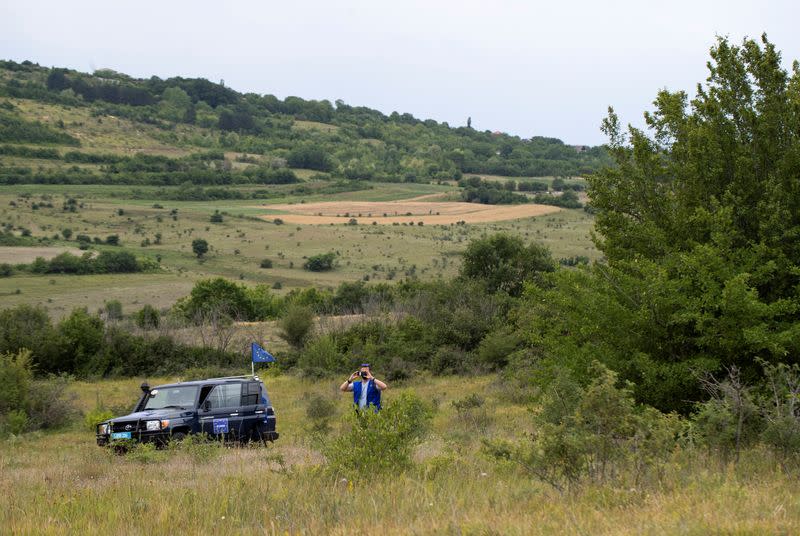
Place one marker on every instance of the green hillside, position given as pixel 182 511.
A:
pixel 64 126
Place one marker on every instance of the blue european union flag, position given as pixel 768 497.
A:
pixel 260 355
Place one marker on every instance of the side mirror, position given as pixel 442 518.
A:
pixel 207 405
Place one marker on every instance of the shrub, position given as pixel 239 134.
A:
pixel 16 377
pixel 781 410
pixel 319 411
pixel 263 304
pixel 266 263
pixel 216 298
pixel 448 360
pixel 26 326
pixel 95 417
pixel 728 420
pixel 320 263
pixel 14 422
pixel 372 443
pixel 199 247
pixel 52 404
pixel 296 324
pixel 472 415
pixel 596 432
pixel 497 346
pixel 504 262
pixel 113 310
pixel 321 356
pixel 28 404
pixel 148 317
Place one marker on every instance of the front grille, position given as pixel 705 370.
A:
pixel 129 426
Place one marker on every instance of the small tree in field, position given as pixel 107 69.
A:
pixel 199 247
pixel 320 263
pixel 296 325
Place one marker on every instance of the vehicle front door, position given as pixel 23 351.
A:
pixel 220 411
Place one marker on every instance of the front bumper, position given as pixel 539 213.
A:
pixel 160 436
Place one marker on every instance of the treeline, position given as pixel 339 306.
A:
pixel 148 170
pixel 357 143
pixel 105 262
pixel 85 345
pixel 477 190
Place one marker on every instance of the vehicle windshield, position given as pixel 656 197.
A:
pixel 172 397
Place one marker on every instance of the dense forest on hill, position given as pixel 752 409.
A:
pixel 337 139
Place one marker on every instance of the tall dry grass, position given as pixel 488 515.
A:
pixel 62 483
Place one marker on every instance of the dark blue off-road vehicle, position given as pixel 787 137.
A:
pixel 235 408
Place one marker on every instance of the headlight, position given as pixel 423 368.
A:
pixel 152 426
pixel 103 429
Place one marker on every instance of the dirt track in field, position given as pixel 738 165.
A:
pixel 404 211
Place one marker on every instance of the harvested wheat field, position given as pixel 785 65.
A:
pixel 405 211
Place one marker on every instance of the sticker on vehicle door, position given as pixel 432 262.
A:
pixel 220 426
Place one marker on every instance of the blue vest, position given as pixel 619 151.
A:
pixel 373 394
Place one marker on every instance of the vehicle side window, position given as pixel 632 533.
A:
pixel 225 396
pixel 250 394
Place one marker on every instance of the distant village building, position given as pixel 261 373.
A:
pixel 580 148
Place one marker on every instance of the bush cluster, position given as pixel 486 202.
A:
pixel 27 403
pixel 82 344
pixel 373 443
pixel 106 262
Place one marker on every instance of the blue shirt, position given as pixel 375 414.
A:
pixel 362 401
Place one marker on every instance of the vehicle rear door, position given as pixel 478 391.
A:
pixel 220 413
pixel 252 410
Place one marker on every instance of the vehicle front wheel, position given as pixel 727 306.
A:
pixel 178 436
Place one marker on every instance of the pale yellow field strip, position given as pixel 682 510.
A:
pixel 406 211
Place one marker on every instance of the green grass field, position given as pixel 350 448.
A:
pixel 238 244
pixel 56 483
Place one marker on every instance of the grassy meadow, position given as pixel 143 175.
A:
pixel 55 483
pixel 378 253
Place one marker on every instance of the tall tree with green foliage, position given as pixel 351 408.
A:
pixel 700 224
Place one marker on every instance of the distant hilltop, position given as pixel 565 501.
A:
pixel 189 115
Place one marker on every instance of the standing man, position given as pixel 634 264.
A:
pixel 367 391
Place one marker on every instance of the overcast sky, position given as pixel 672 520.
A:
pixel 525 67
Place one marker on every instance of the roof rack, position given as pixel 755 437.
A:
pixel 233 377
